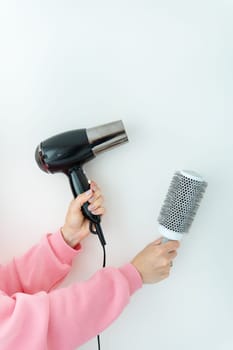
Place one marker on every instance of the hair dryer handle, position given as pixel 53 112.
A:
pixel 79 184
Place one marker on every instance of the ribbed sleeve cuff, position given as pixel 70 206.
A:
pixel 133 277
pixel 62 250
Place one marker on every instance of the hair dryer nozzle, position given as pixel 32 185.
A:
pixel 104 137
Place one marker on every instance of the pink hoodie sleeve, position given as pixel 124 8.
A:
pixel 66 318
pixel 41 268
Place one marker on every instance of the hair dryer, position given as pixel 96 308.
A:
pixel 67 152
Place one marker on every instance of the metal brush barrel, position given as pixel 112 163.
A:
pixel 104 137
pixel 181 204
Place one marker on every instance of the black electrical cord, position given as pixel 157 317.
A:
pixel 97 229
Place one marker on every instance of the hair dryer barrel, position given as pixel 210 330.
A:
pixel 104 137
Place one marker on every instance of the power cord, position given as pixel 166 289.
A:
pixel 97 229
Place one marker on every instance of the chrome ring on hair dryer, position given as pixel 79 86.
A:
pixel 68 151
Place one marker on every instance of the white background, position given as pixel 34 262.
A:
pixel 165 69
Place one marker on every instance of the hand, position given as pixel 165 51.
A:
pixel 76 226
pixel 154 261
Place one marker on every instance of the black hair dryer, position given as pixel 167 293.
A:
pixel 67 152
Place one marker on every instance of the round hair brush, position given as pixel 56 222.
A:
pixel 181 203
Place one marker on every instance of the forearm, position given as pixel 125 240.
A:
pixel 42 267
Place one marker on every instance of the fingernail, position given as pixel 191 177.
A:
pixel 91 207
pixel 89 192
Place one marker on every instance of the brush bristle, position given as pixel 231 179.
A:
pixel 181 203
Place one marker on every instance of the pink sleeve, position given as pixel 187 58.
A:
pixel 68 317
pixel 41 268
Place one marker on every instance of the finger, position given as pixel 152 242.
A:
pixel 94 187
pixel 169 260
pixel 95 196
pixel 157 241
pixel 171 245
pixel 99 211
pixel 167 272
pixel 96 204
pixel 81 199
pixel 172 255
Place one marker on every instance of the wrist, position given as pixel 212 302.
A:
pixel 70 239
pixel 138 269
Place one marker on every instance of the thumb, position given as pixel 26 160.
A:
pixel 82 198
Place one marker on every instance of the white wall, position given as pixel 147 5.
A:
pixel 165 68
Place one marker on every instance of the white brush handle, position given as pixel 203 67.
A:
pixel 169 235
